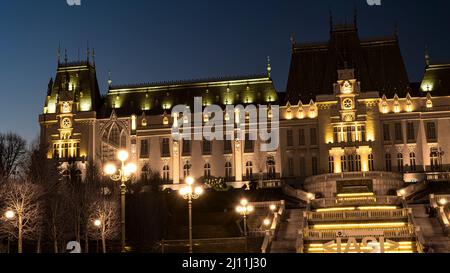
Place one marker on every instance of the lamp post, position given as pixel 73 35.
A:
pixel 9 215
pixel 244 209
pixel 98 224
pixel 190 193
pixel 123 175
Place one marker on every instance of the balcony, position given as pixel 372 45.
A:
pixel 353 175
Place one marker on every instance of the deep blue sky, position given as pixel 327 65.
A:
pixel 143 40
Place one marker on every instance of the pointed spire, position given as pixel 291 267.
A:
pixel 59 54
pixel 396 31
pixel 427 56
pixel 93 56
pixel 109 79
pixel 269 67
pixel 292 39
pixel 330 14
pixel 65 56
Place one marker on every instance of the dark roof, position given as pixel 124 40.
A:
pixel 436 80
pixel 378 65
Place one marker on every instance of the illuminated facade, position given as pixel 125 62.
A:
pixel 78 125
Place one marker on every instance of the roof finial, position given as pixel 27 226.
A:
pixel 396 31
pixel 109 79
pixel 93 56
pixel 59 54
pixel 65 55
pixel 269 67
pixel 292 39
pixel 427 56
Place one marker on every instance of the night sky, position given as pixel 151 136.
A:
pixel 146 41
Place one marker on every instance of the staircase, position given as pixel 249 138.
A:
pixel 286 237
pixel 433 234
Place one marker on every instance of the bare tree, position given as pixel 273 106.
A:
pixel 104 221
pixel 12 155
pixel 22 200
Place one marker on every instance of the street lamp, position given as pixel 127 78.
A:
pixel 9 215
pixel 98 224
pixel 273 208
pixel 244 209
pixel 443 201
pixel 123 175
pixel 189 192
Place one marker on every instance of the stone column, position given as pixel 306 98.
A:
pixel 238 160
pixel 176 162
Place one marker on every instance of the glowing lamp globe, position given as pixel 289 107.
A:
pixel 122 155
pixel 244 202
pixel 273 207
pixel 97 223
pixel 9 214
pixel 131 168
pixel 110 169
pixel 198 191
pixel 189 180
pixel 266 222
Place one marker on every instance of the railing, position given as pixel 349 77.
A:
pixel 267 184
pixel 412 189
pixel 353 175
pixel 438 202
pixel 330 234
pixel 370 200
pixel 164 245
pixel 269 234
pixel 296 193
pixel 417 232
pixel 357 214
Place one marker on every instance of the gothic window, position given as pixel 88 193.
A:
pixel 187 169
pixel 271 168
pixel 371 163
pixel 434 160
pixel 165 147
pixel 400 162
pixel 123 140
pixel 398 132
pixel 386 132
pixel 249 170
pixel 144 148
pixel 207 170
pixel 228 171
pixel 412 161
pixel 145 173
pixel 388 159
pixel 431 132
pixel 114 136
pixel 166 173
pixel 331 164
pixel 291 166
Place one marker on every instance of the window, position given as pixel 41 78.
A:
pixel 186 147
pixel 228 171
pixel 165 151
pixel 55 151
pixel 431 132
pixel 77 150
pixel 207 170
pixel 290 138
pixel 166 173
pixel 144 148
pixel 301 137
pixel 313 136
pixel 386 132
pixel 114 136
pixel 400 162
pixel 227 148
pixel 145 173
pixel 291 167
pixel 434 160
pixel 187 169
pixel 388 160
pixel 412 161
pixel 123 141
pixel 398 132
pixel 358 163
pixel 314 166
pixel 352 133
pixel 371 163
pixel 302 163
pixel 249 170
pixel 331 164
pixel 411 134
pixel 271 168
pixel 344 165
pixel 206 147
pixel 249 144
pixel 336 135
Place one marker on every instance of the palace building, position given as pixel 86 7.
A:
pixel 349 110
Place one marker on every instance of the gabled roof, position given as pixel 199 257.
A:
pixel 436 80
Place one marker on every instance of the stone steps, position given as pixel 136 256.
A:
pixel 286 237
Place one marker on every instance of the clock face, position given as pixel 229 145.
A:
pixel 66 123
pixel 66 108
pixel 347 103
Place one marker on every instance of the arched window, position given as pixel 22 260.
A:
pixel 388 160
pixel 371 163
pixel 344 165
pixel 207 170
pixel 249 170
pixel 114 136
pixel 187 169
pixel 271 168
pixel 412 161
pixel 358 163
pixel 352 163
pixel 434 160
pixel 123 140
pixel 228 171
pixel 166 173
pixel 400 162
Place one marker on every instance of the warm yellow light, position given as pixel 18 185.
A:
pixel 358 226
pixel 443 201
pixel 190 180
pixel 363 194
pixel 250 208
pixel 311 196
pixel 244 202
pixel 402 192
pixel 122 155
pixel 185 190
pixel 336 209
pixel 198 191
pixel 110 169
pixel 272 207
pixel 239 209
pixel 133 122
pixel 267 222
pixel 378 208
pixel 130 168
pixel 97 223
pixel 10 214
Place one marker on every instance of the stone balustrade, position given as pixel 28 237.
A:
pixel 358 214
